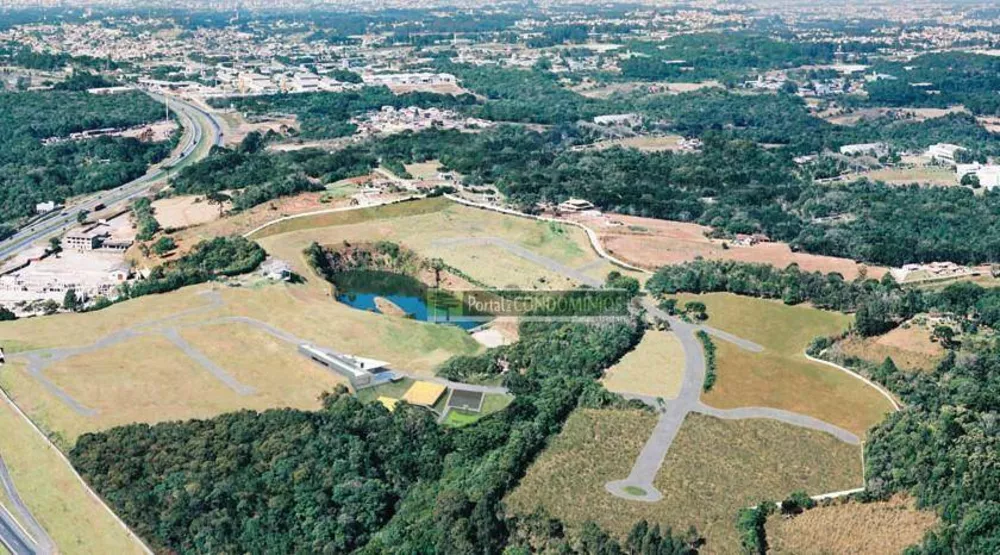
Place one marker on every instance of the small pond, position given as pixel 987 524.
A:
pixel 360 288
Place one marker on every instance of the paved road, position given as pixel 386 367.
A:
pixel 40 538
pixel 13 537
pixel 785 416
pixel 191 116
pixel 648 463
pixel 653 453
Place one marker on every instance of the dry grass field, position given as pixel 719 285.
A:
pixel 645 144
pixel 475 241
pixel 912 114
pixel 654 368
pixel 713 469
pixel 883 528
pixel 75 521
pixel 606 91
pixel 924 175
pixel 909 348
pixel 149 379
pixel 651 243
pixel 780 376
pixel 423 170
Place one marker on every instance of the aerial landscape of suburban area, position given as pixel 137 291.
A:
pixel 650 277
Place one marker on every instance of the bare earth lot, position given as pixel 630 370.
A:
pixel 185 211
pixel 652 243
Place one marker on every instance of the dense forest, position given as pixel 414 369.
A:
pixel 732 184
pixel 257 176
pixel 326 115
pixel 208 260
pixel 725 57
pixel 31 173
pixel 357 477
pixel 939 80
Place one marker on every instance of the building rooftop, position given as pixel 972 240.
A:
pixel 424 394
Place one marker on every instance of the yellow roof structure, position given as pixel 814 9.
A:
pixel 424 394
pixel 389 402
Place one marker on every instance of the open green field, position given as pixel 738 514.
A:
pixel 782 377
pixel 654 368
pixel 74 520
pixel 147 378
pixel 713 469
pixel 477 242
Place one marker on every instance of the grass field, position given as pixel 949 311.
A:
pixel 882 528
pixel 781 377
pixel 74 520
pixel 148 379
pixel 929 175
pixel 713 469
pixel 437 228
pixel 654 368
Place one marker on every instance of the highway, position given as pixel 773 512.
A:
pixel 13 537
pixel 191 116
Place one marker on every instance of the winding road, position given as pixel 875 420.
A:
pixel 21 534
pixel 205 132
pixel 639 483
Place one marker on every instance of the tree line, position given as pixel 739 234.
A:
pixel 356 477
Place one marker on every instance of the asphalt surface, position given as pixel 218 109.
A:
pixel 653 453
pixel 38 539
pixel 13 537
pixel 52 226
pixel 648 463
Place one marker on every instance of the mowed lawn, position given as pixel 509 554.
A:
pixel 879 528
pixel 655 368
pixel 781 376
pixel 76 522
pixel 438 228
pixel 149 379
pixel 713 468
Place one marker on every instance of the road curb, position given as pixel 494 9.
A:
pixel 86 487
pixel 885 393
